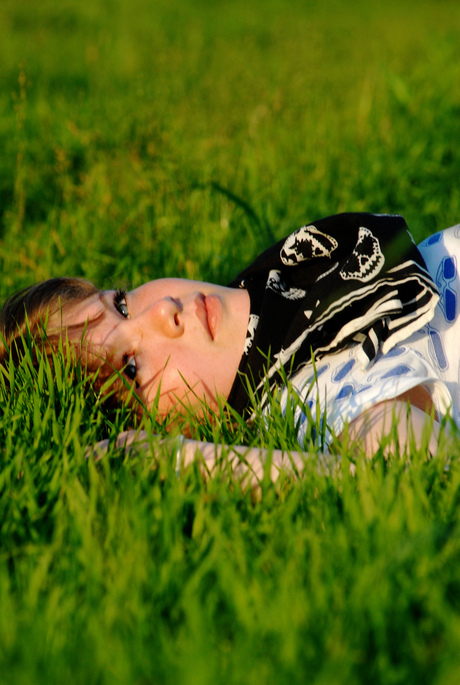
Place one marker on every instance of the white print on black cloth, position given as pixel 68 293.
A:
pixel 252 325
pixel 306 243
pixel 275 283
pixel 366 259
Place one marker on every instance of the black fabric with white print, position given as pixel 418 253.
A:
pixel 353 278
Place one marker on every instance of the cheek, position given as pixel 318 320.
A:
pixel 183 385
pixel 171 386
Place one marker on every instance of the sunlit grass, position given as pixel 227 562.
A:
pixel 143 139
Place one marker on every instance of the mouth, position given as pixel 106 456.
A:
pixel 213 307
pixel 209 312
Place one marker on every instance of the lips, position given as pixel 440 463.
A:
pixel 209 312
pixel 213 307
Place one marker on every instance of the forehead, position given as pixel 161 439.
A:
pixel 92 318
pixel 84 312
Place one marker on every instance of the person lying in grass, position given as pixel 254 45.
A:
pixel 346 309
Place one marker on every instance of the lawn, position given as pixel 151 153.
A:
pixel 148 138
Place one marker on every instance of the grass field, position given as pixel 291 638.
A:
pixel 146 138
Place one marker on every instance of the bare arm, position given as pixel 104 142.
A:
pixel 247 463
pixel 378 427
pixel 252 462
pixel 389 421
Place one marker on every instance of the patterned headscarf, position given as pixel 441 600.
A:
pixel 347 279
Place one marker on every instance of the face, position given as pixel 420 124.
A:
pixel 180 339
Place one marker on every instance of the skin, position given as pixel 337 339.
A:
pixel 365 435
pixel 180 341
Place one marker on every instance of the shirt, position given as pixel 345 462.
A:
pixel 340 387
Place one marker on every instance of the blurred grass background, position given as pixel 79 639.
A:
pixel 145 138
pixel 119 122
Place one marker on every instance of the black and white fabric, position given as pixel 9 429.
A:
pixel 349 279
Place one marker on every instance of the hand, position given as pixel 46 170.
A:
pixel 127 439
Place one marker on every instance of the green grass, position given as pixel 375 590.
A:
pixel 152 138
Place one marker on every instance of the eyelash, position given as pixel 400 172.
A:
pixel 129 362
pixel 119 300
pixel 130 368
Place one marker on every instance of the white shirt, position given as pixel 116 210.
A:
pixel 342 389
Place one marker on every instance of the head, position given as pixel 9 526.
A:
pixel 32 313
pixel 177 342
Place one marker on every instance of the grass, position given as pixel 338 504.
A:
pixel 152 138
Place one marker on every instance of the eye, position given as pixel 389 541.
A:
pixel 119 302
pixel 130 368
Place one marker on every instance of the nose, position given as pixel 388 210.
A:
pixel 163 316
